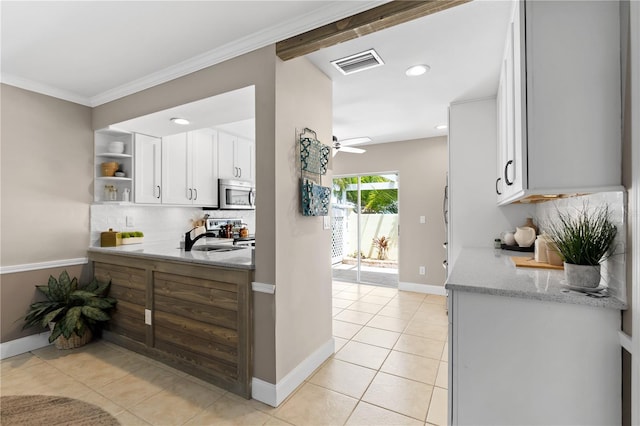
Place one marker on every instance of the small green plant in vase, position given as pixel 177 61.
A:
pixel 584 240
pixel 74 313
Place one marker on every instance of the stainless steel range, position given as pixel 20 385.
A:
pixel 229 228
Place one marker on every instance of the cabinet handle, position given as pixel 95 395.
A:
pixel 497 190
pixel 190 197
pixel 506 177
pixel 195 191
pixel 159 192
pixel 239 172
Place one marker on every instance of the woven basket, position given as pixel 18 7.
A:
pixel 74 341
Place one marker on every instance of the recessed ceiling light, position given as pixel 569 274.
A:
pixel 181 121
pixel 417 70
pixel 441 127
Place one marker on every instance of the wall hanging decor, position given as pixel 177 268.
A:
pixel 314 160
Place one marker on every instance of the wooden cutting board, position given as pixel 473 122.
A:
pixel 529 262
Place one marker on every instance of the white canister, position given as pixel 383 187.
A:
pixel 541 249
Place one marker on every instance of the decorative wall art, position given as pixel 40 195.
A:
pixel 314 160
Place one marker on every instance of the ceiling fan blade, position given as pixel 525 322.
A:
pixel 352 150
pixel 355 141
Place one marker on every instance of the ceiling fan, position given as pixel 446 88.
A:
pixel 345 145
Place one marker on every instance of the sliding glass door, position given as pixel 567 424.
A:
pixel 365 229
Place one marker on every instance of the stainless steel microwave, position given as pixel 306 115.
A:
pixel 236 195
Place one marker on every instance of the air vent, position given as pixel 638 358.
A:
pixel 358 62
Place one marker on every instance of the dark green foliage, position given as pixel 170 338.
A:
pixel 585 238
pixel 373 200
pixel 71 307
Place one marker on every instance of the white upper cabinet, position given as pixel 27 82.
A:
pixel 235 157
pixel 148 163
pixel 559 100
pixel 189 169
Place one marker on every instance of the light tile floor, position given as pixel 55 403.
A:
pixel 390 368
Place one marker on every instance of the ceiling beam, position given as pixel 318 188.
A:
pixel 376 19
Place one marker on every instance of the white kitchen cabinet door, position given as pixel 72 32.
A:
pixel 148 162
pixel 204 167
pixel 244 154
pixel 512 161
pixel 226 156
pixel 175 182
pixel 523 361
pixel 235 157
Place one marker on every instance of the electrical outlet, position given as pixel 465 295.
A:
pixel 422 270
pixel 147 316
pixel 326 224
pixel 423 219
pixel 130 221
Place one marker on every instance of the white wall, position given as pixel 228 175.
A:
pixel 474 217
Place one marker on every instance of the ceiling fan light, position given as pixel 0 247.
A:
pixel 417 70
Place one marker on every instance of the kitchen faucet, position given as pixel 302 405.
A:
pixel 188 242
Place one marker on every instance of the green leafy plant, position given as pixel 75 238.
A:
pixel 73 308
pixel 585 238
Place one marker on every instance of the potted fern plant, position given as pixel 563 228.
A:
pixel 73 312
pixel 584 240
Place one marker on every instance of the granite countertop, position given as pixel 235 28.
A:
pixel 491 271
pixel 170 250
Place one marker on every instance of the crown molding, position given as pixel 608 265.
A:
pixel 44 89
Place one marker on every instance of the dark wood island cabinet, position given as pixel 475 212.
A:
pixel 194 317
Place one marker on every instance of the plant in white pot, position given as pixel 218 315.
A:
pixel 584 240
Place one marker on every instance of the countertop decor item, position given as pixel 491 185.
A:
pixel 525 236
pixel 584 240
pixel 73 312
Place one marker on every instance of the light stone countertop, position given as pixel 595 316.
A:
pixel 170 250
pixel 490 271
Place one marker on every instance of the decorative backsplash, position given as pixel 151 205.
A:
pixel 157 223
pixel 613 269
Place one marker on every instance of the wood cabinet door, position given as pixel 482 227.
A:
pixel 147 178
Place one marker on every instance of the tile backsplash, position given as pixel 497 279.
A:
pixel 613 270
pixel 158 223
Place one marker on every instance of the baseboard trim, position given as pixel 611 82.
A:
pixel 42 265
pixel 422 288
pixel 24 345
pixel 273 395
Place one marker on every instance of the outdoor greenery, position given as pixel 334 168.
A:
pixel 73 308
pixel 382 244
pixel 373 200
pixel 585 238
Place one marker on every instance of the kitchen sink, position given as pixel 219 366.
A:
pixel 215 248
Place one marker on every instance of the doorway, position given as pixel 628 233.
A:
pixel 365 229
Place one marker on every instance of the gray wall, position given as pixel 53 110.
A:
pixel 303 247
pixel 422 168
pixel 47 183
